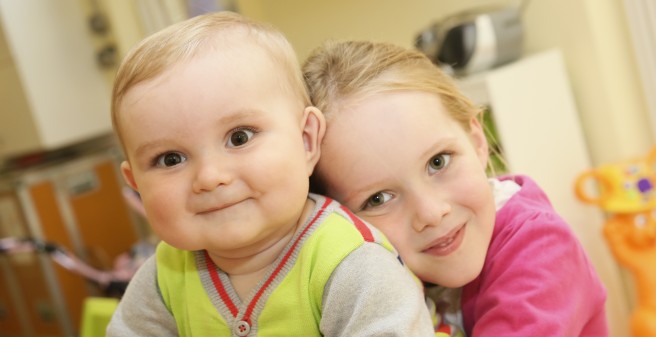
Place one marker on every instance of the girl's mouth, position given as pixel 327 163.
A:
pixel 447 244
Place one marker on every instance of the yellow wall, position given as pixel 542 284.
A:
pixel 595 40
pixel 308 22
pixel 592 35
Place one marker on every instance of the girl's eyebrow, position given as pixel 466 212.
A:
pixel 437 146
pixel 353 194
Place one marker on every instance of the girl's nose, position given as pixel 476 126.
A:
pixel 210 174
pixel 429 210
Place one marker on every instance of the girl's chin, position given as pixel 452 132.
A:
pixel 463 278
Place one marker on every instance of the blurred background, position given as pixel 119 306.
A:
pixel 576 92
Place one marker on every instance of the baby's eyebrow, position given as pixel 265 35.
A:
pixel 238 115
pixel 231 118
pixel 145 147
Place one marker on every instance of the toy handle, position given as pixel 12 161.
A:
pixel 651 160
pixel 582 194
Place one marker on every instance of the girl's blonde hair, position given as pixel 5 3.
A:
pixel 339 71
pixel 184 40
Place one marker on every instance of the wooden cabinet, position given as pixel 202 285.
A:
pixel 78 205
pixel 52 92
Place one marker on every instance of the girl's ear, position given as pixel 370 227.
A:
pixel 477 135
pixel 126 170
pixel 314 128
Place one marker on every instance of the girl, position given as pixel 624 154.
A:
pixel 405 150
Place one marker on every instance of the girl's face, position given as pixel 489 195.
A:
pixel 399 161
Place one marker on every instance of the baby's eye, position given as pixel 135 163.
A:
pixel 438 162
pixel 170 159
pixel 240 137
pixel 377 200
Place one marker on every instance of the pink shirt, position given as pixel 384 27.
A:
pixel 537 280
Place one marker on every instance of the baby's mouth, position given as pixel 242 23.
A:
pixel 217 208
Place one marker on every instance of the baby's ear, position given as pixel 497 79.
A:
pixel 314 128
pixel 477 136
pixel 126 170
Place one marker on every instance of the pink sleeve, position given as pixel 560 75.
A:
pixel 537 282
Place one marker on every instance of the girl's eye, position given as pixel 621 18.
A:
pixel 240 137
pixel 377 200
pixel 170 159
pixel 438 162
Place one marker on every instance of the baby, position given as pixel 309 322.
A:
pixel 220 140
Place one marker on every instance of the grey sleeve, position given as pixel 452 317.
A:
pixel 371 294
pixel 141 310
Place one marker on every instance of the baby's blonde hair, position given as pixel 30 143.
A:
pixel 184 40
pixel 339 71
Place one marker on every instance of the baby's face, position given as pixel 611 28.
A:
pixel 403 164
pixel 216 150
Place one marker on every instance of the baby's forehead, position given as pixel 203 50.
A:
pixel 238 52
pixel 244 68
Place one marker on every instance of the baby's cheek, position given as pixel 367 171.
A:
pixel 158 211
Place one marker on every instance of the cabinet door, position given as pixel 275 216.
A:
pixel 77 205
pixel 26 305
pixel 81 208
pixel 67 95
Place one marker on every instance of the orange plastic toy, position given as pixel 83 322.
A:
pixel 627 193
pixel 624 187
pixel 632 240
